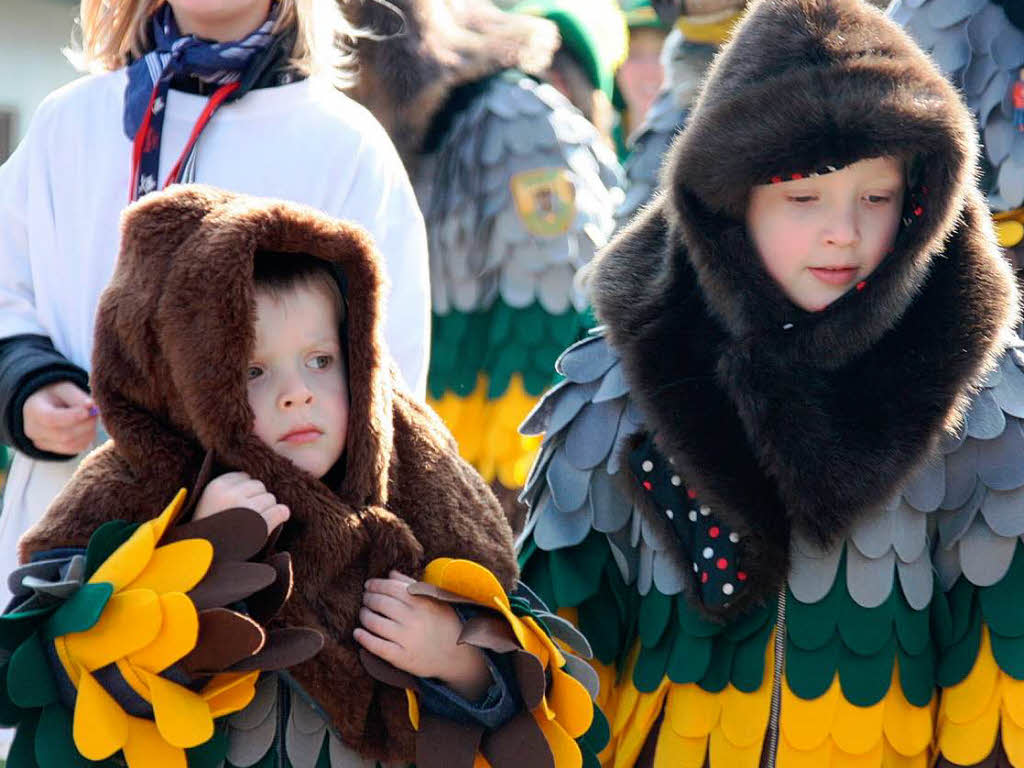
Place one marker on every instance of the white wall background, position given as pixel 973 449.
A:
pixel 32 34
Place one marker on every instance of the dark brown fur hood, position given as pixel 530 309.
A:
pixel 782 417
pixel 173 337
pixel 419 51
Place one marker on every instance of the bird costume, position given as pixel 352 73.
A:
pixel 518 192
pixel 792 536
pixel 699 29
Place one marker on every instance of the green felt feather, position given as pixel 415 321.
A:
pixel 29 679
pixel 55 745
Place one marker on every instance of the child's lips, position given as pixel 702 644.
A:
pixel 834 275
pixel 302 435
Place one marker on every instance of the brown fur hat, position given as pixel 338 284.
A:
pixel 422 50
pixel 782 417
pixel 173 338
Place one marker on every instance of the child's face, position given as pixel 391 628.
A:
pixel 298 388
pixel 821 235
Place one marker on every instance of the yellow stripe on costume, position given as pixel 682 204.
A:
pixel 486 430
pixel 975 711
pixel 727 727
pixel 830 731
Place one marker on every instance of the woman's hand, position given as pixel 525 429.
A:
pixel 60 418
pixel 237 489
pixel 419 636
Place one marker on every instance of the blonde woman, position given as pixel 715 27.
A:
pixel 239 94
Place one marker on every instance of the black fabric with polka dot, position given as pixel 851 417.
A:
pixel 710 546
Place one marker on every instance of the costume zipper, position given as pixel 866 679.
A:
pixel 772 748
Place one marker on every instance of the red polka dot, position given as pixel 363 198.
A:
pixel 776 179
pixel 714 531
pixel 691 493
pixel 704 578
pixel 797 176
pixel 722 563
pixel 861 285
pixel 918 211
pixel 741 575
pixel 647 485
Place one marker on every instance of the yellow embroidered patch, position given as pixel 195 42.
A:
pixel 545 200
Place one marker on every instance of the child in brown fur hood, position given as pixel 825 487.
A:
pixel 219 346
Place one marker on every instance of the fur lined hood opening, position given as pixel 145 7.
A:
pixel 174 334
pixel 782 417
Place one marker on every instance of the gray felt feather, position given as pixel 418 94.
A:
pixel 977 47
pixel 479 246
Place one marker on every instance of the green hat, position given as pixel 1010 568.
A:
pixel 594 31
pixel 640 13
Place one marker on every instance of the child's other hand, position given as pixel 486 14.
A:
pixel 420 636
pixel 237 489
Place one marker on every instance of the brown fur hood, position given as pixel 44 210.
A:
pixel 782 417
pixel 173 338
pixel 419 51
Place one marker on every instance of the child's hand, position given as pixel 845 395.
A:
pixel 419 635
pixel 237 489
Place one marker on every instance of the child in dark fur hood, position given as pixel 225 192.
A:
pixel 781 489
pixel 240 340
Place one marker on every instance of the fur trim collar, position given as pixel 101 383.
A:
pixel 422 50
pixel 778 416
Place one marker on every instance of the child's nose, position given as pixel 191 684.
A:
pixel 842 230
pixel 297 396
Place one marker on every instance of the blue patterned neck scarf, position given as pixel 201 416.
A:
pixel 226 65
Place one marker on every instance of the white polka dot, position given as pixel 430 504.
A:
pixel 787 327
pixel 676 481
pixel 648 465
pixel 693 515
pixel 708 553
pixel 695 569
pixel 670 514
pixel 734 537
pixel 705 510
pixel 727 588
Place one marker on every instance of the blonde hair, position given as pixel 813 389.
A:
pixel 113 32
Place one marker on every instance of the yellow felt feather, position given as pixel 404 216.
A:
pixel 130 621
pixel 806 723
pixel 146 748
pixel 100 726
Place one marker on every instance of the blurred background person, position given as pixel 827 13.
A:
pixel 698 28
pixel 640 76
pixel 595 40
pixel 518 190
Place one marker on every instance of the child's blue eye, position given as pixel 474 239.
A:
pixel 878 199
pixel 320 361
pixel 802 198
pixel 253 372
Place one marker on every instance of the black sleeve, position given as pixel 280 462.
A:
pixel 28 363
